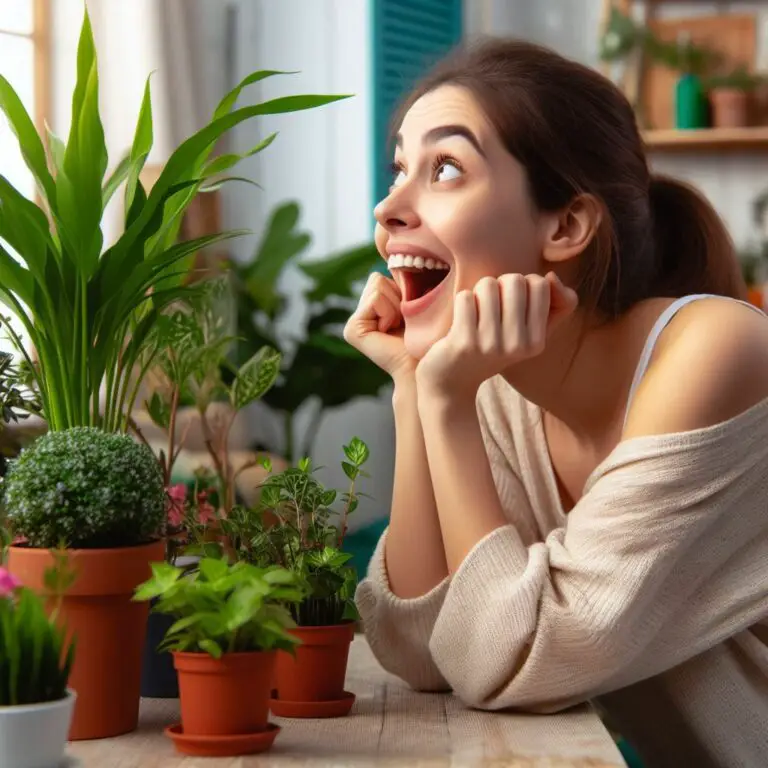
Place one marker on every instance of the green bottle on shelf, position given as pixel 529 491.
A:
pixel 690 101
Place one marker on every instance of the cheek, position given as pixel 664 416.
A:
pixel 490 234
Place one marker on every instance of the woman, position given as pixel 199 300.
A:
pixel 581 410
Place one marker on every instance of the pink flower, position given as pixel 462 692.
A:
pixel 177 496
pixel 8 583
pixel 178 493
pixel 205 510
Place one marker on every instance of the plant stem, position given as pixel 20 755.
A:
pixel 88 418
pixel 171 434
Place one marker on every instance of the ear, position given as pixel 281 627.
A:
pixel 569 231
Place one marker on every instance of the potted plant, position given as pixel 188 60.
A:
pixel 307 538
pixel 35 664
pixel 189 517
pixel 730 96
pixel 101 496
pixel 89 311
pixel 230 621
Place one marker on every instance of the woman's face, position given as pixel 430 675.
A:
pixel 458 210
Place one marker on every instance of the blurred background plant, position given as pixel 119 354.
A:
pixel 319 370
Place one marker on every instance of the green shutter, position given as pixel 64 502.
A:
pixel 408 37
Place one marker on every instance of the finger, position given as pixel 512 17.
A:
pixel 488 306
pixel 464 325
pixel 381 283
pixel 563 300
pixel 386 312
pixel 538 314
pixel 514 302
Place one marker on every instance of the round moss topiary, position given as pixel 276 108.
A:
pixel 86 488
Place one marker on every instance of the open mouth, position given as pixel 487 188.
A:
pixel 419 276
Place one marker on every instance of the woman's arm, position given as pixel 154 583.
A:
pixel 659 560
pixel 407 579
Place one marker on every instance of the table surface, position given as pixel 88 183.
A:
pixel 390 725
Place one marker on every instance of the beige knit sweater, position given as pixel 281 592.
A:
pixel 649 598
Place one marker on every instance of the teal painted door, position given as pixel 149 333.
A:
pixel 408 36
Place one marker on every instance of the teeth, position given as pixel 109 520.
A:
pixel 399 260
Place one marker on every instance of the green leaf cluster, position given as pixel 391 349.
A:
pixel 88 311
pixel 319 348
pixel 17 400
pixel 295 525
pixel 87 488
pixel 36 655
pixel 224 608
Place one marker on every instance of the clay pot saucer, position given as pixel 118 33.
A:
pixel 312 709
pixel 222 746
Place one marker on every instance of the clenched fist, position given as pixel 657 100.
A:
pixel 376 327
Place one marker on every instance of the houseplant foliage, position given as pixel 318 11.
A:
pixel 192 366
pixel 17 401
pixel 296 526
pixel 329 295
pixel 231 618
pixel 36 658
pixel 101 496
pixel 88 311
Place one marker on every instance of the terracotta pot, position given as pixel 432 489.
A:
pixel 109 628
pixel 755 296
pixel 318 671
pixel 730 107
pixel 227 696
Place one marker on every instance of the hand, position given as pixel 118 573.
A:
pixel 376 327
pixel 501 322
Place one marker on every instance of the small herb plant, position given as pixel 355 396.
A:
pixel 224 608
pixel 87 488
pixel 35 656
pixel 193 345
pixel 296 526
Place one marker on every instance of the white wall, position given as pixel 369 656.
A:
pixel 731 181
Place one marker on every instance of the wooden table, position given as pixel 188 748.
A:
pixel 390 725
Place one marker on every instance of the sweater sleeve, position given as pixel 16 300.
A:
pixel 398 630
pixel 662 558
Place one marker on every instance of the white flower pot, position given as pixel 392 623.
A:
pixel 34 735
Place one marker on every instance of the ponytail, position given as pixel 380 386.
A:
pixel 693 250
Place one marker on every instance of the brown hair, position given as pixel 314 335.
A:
pixel 576 133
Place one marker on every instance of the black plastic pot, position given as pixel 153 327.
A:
pixel 158 675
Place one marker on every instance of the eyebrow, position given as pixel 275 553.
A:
pixel 441 132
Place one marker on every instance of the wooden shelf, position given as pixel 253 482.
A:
pixel 708 139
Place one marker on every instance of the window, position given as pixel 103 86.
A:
pixel 408 37
pixel 23 62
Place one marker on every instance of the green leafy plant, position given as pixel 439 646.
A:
pixel 17 401
pixel 87 488
pixel 319 348
pixel 193 367
pixel 295 526
pixel 88 311
pixel 36 656
pixel 224 608
pixel 738 79
pixel 624 36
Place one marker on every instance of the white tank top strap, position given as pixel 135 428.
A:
pixel 663 321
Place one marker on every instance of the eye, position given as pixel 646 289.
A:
pixel 398 175
pixel 447 169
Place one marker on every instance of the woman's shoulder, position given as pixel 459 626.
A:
pixel 709 366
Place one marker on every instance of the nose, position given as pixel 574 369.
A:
pixel 395 213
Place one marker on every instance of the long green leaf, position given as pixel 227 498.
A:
pixel 142 144
pixel 195 149
pixel 225 162
pixel 116 178
pixel 225 105
pixel 31 146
